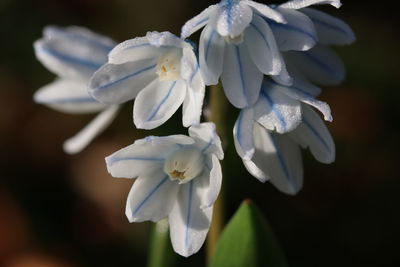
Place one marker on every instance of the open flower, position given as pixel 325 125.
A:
pixel 178 176
pixel 275 157
pixel 74 54
pixel 241 42
pixel 161 71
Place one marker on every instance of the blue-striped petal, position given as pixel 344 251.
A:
pixel 115 84
pixel 68 96
pixel 241 79
pixel 155 104
pixel 189 223
pixel 207 139
pixel 314 134
pixel 243 134
pixel 134 50
pixel 297 4
pixel 330 30
pixel 211 55
pixel 277 111
pixel 266 11
pixel 199 21
pixel 151 197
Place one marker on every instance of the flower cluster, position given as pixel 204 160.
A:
pixel 269 59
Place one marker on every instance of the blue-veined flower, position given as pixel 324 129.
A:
pixel 242 41
pixel 274 157
pixel 178 177
pixel 161 71
pixel 74 54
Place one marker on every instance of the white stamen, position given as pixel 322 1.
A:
pixel 234 39
pixel 184 164
pixel 169 65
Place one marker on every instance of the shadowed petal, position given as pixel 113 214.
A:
pixel 243 134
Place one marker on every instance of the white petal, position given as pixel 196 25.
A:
pixel 232 18
pixel 189 223
pixel 277 111
pixel 313 133
pixel 299 91
pixel 160 39
pixel 78 142
pixel 241 78
pixel 115 84
pixel 297 4
pixel 320 65
pixel 283 77
pixel 279 158
pixel 72 52
pixel 190 69
pixel 151 198
pixel 330 30
pixel 155 104
pixel 243 134
pixel 211 55
pixel 261 44
pixel 68 96
pixel 297 34
pixel 207 139
pixel 143 156
pixel 133 50
pixel 193 106
pixel 213 181
pixel 199 21
pixel 266 11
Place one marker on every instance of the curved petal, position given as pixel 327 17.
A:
pixel 320 65
pixel 151 197
pixel 261 44
pixel 133 50
pixel 277 111
pixel 241 79
pixel 78 142
pixel 243 134
pixel 68 96
pixel 330 30
pixel 232 18
pixel 155 104
pixel 212 180
pixel 189 223
pixel 207 139
pixel 299 91
pixel 160 39
pixel 297 34
pixel 266 11
pixel 313 133
pixel 283 77
pixel 279 158
pixel 115 84
pixel 199 21
pixel 72 52
pixel 297 4
pixel 211 55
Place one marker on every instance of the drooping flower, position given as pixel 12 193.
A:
pixel 242 40
pixel 74 54
pixel 161 71
pixel 178 177
pixel 274 157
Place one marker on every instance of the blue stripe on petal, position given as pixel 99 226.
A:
pixel 281 159
pixel 126 77
pixel 194 73
pixel 68 100
pixel 317 135
pixel 290 27
pixel 162 102
pixel 302 91
pixel 71 59
pixel 200 22
pixel 149 195
pixel 322 64
pixel 113 160
pixel 260 33
pixel 189 213
pixel 276 111
pixel 137 46
pixel 244 91
pixel 330 26
pixel 209 43
pixel 239 128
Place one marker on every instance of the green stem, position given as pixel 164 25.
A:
pixel 218 115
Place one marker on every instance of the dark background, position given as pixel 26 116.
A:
pixel 61 210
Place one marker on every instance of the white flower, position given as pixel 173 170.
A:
pixel 179 177
pixel 277 157
pixel 161 71
pixel 74 53
pixel 241 42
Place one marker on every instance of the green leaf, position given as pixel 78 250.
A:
pixel 248 241
pixel 161 253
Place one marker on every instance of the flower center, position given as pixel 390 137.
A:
pixel 234 39
pixel 184 164
pixel 169 65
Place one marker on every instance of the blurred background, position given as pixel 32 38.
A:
pixel 61 210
